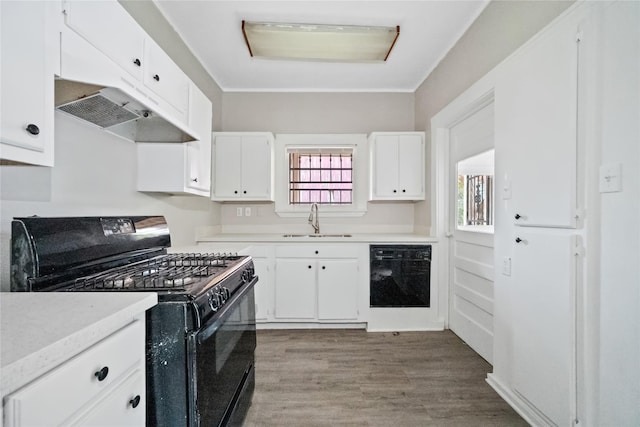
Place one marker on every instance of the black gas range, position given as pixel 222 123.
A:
pixel 200 337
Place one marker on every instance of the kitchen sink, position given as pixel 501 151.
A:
pixel 316 235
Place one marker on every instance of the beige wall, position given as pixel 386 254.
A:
pixel 499 30
pixel 317 112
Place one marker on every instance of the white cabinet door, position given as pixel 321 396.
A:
pixel 165 78
pixel 411 162
pixel 243 167
pixel 27 78
pixel 227 167
pixel 386 161
pixel 544 321
pixel 398 166
pixel 536 121
pixel 263 289
pixel 337 289
pixel 109 28
pixel 256 167
pixel 200 114
pixel 295 288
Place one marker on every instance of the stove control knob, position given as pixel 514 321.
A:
pixel 226 293
pixel 214 303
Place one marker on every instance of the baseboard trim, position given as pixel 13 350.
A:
pixel 516 402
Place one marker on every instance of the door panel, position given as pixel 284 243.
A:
pixel 543 320
pixel 471 253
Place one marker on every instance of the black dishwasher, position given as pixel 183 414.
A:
pixel 400 275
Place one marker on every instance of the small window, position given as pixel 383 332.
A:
pixel 322 175
pixel 475 201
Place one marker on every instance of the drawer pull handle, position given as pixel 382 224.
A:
pixel 135 401
pixel 102 373
pixel 137 62
pixel 156 78
pixel 33 129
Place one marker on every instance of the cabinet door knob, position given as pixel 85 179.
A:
pixel 316 252
pixel 135 401
pixel 404 191
pixel 518 216
pixel 323 267
pixel 33 129
pixel 235 191
pixel 195 180
pixel 394 191
pixel 102 373
pixel 309 266
pixel 137 62
pixel 156 77
pixel 518 240
pixel 245 192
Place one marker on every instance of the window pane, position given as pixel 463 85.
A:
pixel 320 178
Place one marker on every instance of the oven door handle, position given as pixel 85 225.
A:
pixel 214 322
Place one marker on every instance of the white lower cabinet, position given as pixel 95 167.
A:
pixel 316 283
pixel 337 289
pixel 103 385
pixel 295 289
pixel 125 406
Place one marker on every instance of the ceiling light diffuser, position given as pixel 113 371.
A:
pixel 345 43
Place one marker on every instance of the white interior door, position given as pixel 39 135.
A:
pixel 471 250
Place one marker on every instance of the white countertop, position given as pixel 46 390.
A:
pixel 39 331
pixel 355 238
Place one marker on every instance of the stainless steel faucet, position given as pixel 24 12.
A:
pixel 313 219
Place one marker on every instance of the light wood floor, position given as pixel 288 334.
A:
pixel 355 378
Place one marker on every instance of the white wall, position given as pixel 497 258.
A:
pixel 94 174
pixel 499 30
pixel 319 113
pixel 620 228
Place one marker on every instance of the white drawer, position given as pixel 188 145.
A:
pixel 50 399
pixel 117 407
pixel 316 251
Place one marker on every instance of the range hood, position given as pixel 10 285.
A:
pixel 115 111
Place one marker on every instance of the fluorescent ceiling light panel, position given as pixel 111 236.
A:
pixel 346 43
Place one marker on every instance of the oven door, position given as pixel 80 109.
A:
pixel 222 355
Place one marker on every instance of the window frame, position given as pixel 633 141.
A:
pixel 359 146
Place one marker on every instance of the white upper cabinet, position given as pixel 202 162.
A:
pixel 27 77
pixel 200 118
pixel 172 168
pixel 148 70
pixel 164 77
pixel 110 29
pixel 536 121
pixel 397 166
pixel 243 166
pixel 180 168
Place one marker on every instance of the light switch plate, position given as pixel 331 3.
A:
pixel 610 178
pixel 506 266
pixel 506 190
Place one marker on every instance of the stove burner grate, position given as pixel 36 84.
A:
pixel 167 272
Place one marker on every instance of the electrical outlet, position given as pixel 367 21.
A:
pixel 238 211
pixel 247 211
